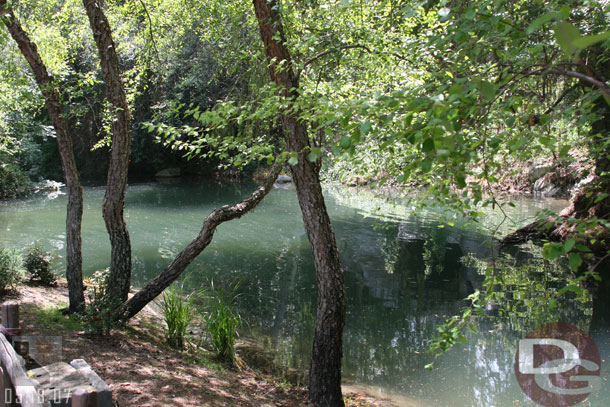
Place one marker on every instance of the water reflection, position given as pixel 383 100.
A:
pixel 404 275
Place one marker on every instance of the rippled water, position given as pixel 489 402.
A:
pixel 404 275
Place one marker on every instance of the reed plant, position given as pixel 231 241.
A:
pixel 222 322
pixel 178 313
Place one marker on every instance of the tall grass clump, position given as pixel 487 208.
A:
pixel 178 313
pixel 11 269
pixel 222 322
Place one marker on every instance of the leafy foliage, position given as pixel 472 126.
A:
pixel 38 265
pixel 11 271
pixel 13 182
pixel 102 312
pixel 511 292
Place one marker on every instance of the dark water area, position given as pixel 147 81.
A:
pixel 406 272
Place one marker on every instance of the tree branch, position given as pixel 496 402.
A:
pixel 605 89
pixel 332 51
pixel 197 245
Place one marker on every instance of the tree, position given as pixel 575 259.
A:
pixel 51 94
pixel 325 367
pixel 197 245
pixel 119 280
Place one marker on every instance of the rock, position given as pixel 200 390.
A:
pixel 538 169
pixel 169 173
pixel 547 188
pixel 283 179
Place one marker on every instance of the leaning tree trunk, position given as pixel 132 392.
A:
pixel 114 200
pixel 197 245
pixel 325 368
pixel 74 214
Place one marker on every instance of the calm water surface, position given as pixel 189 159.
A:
pixel 404 275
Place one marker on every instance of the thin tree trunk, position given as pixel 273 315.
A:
pixel 203 239
pixel 114 199
pixel 64 142
pixel 325 368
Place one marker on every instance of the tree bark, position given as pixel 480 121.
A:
pixel 114 200
pixel 325 367
pixel 74 214
pixel 203 239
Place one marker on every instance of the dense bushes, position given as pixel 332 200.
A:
pixel 100 314
pixel 13 182
pixel 38 265
pixel 11 271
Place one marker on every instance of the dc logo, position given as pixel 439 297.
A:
pixel 558 365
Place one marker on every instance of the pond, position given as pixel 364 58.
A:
pixel 405 274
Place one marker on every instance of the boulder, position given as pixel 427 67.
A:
pixel 283 179
pixel 546 187
pixel 169 173
pixel 539 169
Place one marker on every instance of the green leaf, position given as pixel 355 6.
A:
pixel 568 245
pixel 470 14
pixel 345 142
pixel 551 251
pixel 365 128
pixel 565 35
pixel 575 261
pixel 564 151
pixel 314 154
pixel 584 42
pixel 293 160
pixel 543 19
pixel 426 165
pixel 487 90
pixel 428 145
pixel 456 89
pixel 460 180
pixel 601 197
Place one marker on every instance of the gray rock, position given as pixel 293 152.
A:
pixel 283 179
pixel 539 169
pixel 169 173
pixel 545 187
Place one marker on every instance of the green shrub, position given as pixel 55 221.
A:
pixel 222 322
pixel 38 265
pixel 178 313
pixel 11 271
pixel 13 182
pixel 101 314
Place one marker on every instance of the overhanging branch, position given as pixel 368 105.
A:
pixel 197 245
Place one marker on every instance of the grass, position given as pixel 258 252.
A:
pixel 178 314
pixel 52 318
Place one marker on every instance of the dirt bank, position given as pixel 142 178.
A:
pixel 142 371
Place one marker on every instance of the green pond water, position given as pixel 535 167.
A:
pixel 404 275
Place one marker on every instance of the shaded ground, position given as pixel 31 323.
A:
pixel 142 371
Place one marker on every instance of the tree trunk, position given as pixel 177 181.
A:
pixel 114 199
pixel 325 368
pixel 189 253
pixel 64 142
